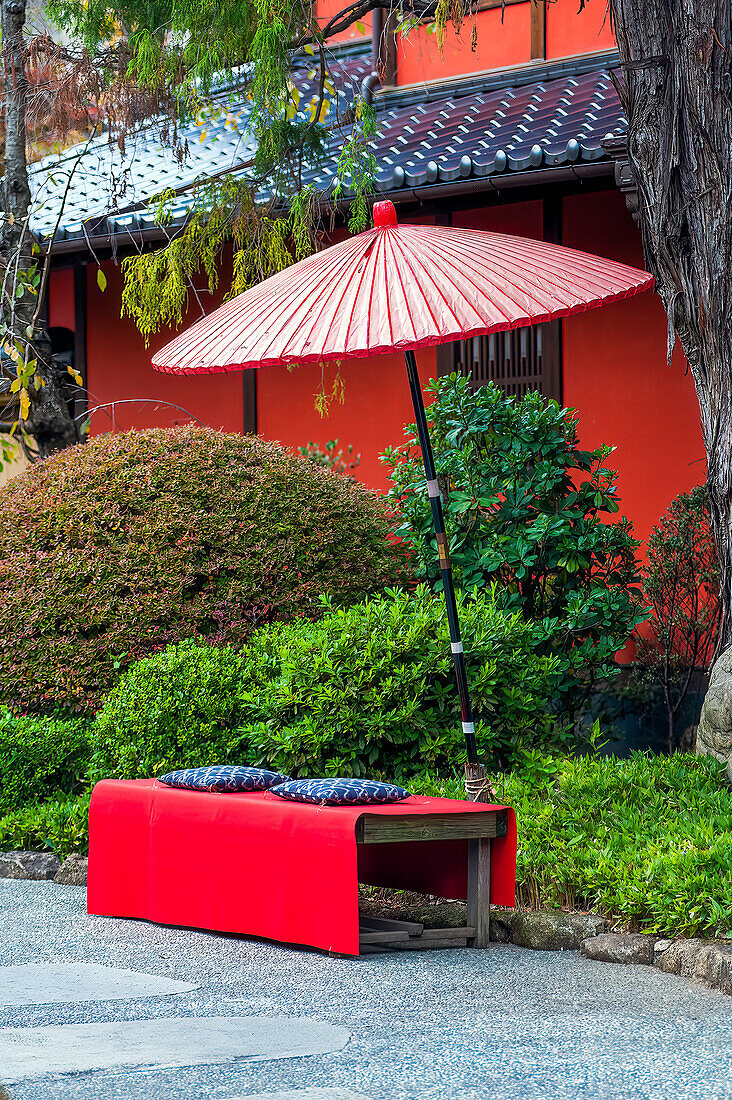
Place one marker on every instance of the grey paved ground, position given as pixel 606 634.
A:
pixel 449 1025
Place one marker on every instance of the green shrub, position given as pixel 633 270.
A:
pixel 40 758
pixel 645 841
pixel 528 511
pixel 61 825
pixel 176 709
pixel 366 690
pixel 118 548
pixel 681 586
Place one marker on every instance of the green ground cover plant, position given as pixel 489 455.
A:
pixel 646 841
pixel 528 511
pixel 365 690
pixel 134 541
pixel 60 825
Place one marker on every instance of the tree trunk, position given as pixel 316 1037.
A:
pixel 50 421
pixel 677 66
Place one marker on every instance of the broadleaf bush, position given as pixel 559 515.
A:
pixel 40 759
pixel 366 690
pixel 530 512
pixel 115 549
pixel 176 709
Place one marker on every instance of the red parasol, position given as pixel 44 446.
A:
pixel 399 288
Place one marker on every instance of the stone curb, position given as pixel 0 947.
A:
pixel 705 961
pixel 41 866
pixel 615 948
pixel 73 871
pixel 34 866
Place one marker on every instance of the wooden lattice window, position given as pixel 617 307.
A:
pixel 518 361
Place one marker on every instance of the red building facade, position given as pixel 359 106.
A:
pixel 610 365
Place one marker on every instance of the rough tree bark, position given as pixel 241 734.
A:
pixel 677 66
pixel 49 422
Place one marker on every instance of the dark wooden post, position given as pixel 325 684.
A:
pixel 479 890
pixel 474 772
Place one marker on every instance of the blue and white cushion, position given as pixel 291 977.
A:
pixel 339 792
pixel 223 779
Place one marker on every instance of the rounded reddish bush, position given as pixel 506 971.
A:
pixel 114 549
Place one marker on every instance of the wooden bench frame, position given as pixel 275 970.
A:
pixel 376 933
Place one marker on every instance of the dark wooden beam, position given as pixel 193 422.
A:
pixel 249 398
pixel 384 829
pixel 538 30
pixel 81 400
pixel 383 47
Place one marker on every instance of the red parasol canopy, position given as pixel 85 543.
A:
pixel 398 288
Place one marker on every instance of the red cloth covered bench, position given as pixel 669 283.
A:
pixel 258 865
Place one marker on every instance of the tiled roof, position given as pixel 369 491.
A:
pixel 485 126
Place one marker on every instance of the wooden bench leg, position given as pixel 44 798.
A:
pixel 479 890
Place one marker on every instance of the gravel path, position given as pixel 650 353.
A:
pixel 443 1025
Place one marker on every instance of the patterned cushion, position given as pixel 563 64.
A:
pixel 339 792
pixel 222 779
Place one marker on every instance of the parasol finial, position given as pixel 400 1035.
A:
pixel 384 214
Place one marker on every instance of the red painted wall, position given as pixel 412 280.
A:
pixel 524 219
pixel 500 44
pixel 616 375
pixel 375 409
pixel 61 299
pixel 569 31
pixel 119 367
pixel 327 9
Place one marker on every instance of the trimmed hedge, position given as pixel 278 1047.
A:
pixel 177 709
pixel 40 758
pixel 131 542
pixel 367 690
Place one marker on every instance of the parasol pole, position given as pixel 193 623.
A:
pixel 475 781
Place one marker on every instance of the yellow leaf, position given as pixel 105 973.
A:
pixel 15 385
pixel 308 49
pixel 24 404
pixel 11 219
pixel 101 280
pixel 76 376
pixel 203 135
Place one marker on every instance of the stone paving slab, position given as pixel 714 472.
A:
pixel 304 1094
pixel 35 1052
pixel 72 983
